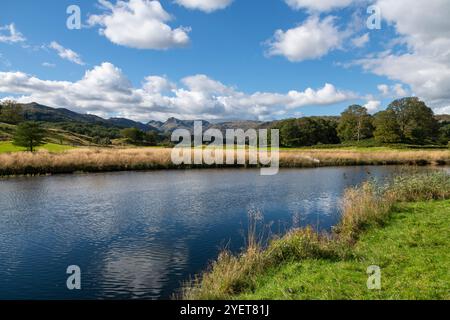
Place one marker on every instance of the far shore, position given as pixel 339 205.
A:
pixel 92 160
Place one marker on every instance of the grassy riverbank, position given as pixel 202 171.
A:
pixel 116 159
pixel 388 226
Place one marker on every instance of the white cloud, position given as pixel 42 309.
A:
pixel 311 40
pixel 157 84
pixel 106 91
pixel 205 5
pixel 395 91
pixel 443 110
pixel 9 34
pixel 373 106
pixel 361 41
pixel 66 54
pixel 318 5
pixel 384 89
pixel 399 90
pixel 425 66
pixel 140 24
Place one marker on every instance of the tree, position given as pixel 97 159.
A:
pixel 416 121
pixel 444 134
pixel 11 112
pixel 355 124
pixel 307 131
pixel 139 137
pixel 289 133
pixel 29 135
pixel 133 135
pixel 387 128
pixel 151 138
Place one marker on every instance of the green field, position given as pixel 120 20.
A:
pixel 412 251
pixel 6 147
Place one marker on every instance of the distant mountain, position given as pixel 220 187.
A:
pixel 443 118
pixel 127 123
pixel 172 124
pixel 37 112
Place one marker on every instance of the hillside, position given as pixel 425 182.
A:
pixel 57 136
pixel 37 112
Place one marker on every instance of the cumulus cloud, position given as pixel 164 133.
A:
pixel 423 62
pixel 205 5
pixel 140 24
pixel 310 40
pixel 66 54
pixel 395 91
pixel 373 106
pixel 318 5
pixel 107 92
pixel 9 34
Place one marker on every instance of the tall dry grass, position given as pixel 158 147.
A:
pixel 97 160
pixel 362 207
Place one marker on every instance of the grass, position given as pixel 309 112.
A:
pixel 8 147
pixel 121 159
pixel 412 251
pixel 408 241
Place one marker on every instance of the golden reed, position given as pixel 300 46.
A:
pixel 104 159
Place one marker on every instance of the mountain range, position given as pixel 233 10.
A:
pixel 37 112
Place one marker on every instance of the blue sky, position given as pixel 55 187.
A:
pixel 223 61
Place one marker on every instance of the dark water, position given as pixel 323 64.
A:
pixel 138 235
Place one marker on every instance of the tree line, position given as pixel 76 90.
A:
pixel 406 120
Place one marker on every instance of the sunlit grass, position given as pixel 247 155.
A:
pixel 6 147
pixel 411 250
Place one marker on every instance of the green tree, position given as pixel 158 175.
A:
pixel 416 121
pixel 11 112
pixel 29 135
pixel 355 124
pixel 444 134
pixel 133 135
pixel 307 131
pixel 386 127
pixel 151 138
pixel 289 133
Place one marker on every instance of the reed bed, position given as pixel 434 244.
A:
pixel 104 159
pixel 369 205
